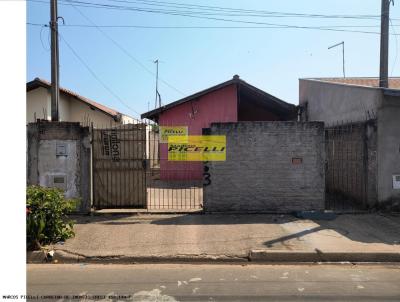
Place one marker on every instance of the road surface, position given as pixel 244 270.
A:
pixel 204 282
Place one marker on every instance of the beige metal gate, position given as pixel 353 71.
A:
pixel 119 167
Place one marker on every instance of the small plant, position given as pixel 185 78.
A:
pixel 155 128
pixel 46 216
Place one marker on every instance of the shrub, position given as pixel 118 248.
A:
pixel 46 216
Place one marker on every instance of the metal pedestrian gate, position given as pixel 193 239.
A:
pixel 350 166
pixel 119 167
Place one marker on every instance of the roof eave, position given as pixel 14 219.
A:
pixel 36 83
pixel 153 114
pixel 196 95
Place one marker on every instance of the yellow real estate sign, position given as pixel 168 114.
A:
pixel 197 148
pixel 167 131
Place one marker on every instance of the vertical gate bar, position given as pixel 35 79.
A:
pixel 128 166
pixel 106 169
pixel 356 166
pixel 328 168
pixel 93 169
pixel 103 170
pixel 140 171
pixel 122 166
pixel 118 166
pixel 190 192
pixel 333 164
pixel 172 198
pixel 137 197
pixel 346 138
pixel 147 131
pixel 342 162
pixel 182 190
pixel 150 170
pixel 159 155
pixel 135 187
pixel 156 153
pixel 139 163
pixel 111 174
pixel 185 188
pixel 352 138
pixel 134 166
pixel 133 171
pixel 365 165
pixel 146 162
pixel 135 159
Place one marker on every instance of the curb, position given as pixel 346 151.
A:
pixel 64 257
pixel 255 256
pixel 272 256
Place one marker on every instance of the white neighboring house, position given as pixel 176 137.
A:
pixel 72 107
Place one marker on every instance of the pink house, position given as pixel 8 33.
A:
pixel 231 101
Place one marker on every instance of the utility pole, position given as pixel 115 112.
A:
pixel 158 98
pixel 384 51
pixel 341 43
pixel 55 75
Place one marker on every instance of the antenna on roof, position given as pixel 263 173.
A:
pixel 158 96
pixel 338 44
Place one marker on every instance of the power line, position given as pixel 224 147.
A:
pixel 79 3
pixel 201 9
pixel 126 52
pixel 202 27
pixel 321 28
pixel 105 86
pixel 219 8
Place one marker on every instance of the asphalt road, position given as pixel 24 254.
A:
pixel 203 282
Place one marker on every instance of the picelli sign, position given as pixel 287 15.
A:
pixel 167 131
pixel 197 148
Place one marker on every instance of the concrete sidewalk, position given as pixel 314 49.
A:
pixel 269 238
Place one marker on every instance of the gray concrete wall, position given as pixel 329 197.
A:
pixel 331 102
pixel 389 151
pixel 59 156
pixel 259 174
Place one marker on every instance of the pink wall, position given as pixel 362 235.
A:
pixel 216 106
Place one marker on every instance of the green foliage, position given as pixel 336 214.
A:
pixel 155 128
pixel 46 220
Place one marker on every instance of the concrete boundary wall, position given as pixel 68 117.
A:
pixel 270 167
pixel 59 156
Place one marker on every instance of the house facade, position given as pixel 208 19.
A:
pixel 358 103
pixel 231 101
pixel 72 107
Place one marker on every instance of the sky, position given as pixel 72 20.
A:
pixel 114 65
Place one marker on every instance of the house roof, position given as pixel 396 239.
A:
pixel 235 80
pixel 37 82
pixel 394 82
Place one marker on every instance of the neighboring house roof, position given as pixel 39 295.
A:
pixel 394 82
pixel 37 82
pixel 235 80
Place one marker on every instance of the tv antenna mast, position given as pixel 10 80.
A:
pixel 338 44
pixel 158 96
